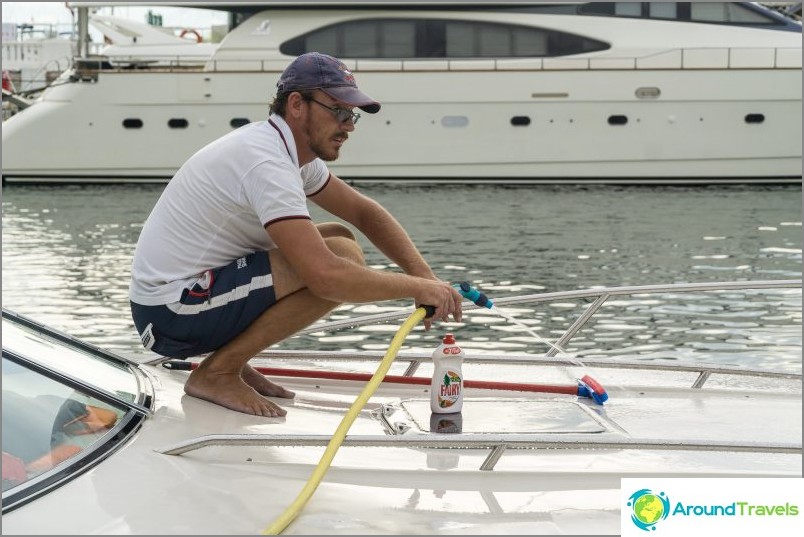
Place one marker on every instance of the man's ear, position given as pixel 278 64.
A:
pixel 296 105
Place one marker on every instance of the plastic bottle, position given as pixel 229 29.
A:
pixel 446 388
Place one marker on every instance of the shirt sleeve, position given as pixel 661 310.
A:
pixel 275 191
pixel 315 176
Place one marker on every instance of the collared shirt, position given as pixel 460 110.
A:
pixel 214 209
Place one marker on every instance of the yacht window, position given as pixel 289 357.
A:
pixel 362 41
pixel 238 122
pixel 724 12
pixel 427 38
pixel 529 43
pixel 460 40
pixel 597 8
pixel 399 39
pixel 323 41
pixel 178 123
pixel 708 11
pixel 628 9
pixel 662 10
pixel 132 123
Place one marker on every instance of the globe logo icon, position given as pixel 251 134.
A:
pixel 648 508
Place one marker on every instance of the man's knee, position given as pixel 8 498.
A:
pixel 346 248
pixel 335 229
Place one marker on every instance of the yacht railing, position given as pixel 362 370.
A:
pixel 684 59
pixel 498 444
pixel 597 298
pixel 600 296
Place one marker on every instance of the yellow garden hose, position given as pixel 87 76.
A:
pixel 295 508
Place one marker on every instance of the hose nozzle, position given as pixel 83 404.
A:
pixel 472 294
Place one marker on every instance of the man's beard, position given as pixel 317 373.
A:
pixel 318 147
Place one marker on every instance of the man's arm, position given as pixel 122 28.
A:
pixel 376 223
pixel 340 279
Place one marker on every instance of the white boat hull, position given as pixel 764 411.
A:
pixel 519 459
pixel 409 490
pixel 677 139
pixel 668 102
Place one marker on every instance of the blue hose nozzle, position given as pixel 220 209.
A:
pixel 472 294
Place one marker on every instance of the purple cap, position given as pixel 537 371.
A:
pixel 314 70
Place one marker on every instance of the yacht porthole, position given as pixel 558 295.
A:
pixel 454 121
pixel 132 123
pixel 647 93
pixel 520 121
pixel 178 123
pixel 618 120
pixel 755 118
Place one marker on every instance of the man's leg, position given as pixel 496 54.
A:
pixel 225 378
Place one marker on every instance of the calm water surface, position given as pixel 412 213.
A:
pixel 67 254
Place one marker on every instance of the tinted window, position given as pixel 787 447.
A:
pixel 717 12
pixel 662 10
pixel 423 38
pixel 724 12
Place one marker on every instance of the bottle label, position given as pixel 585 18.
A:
pixel 449 390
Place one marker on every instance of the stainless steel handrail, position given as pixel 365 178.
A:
pixel 213 64
pixel 600 296
pixel 497 443
pixel 569 295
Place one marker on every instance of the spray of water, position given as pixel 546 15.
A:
pixel 530 331
pixel 481 300
pixel 591 387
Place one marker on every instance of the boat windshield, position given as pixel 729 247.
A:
pixel 46 422
pixel 65 403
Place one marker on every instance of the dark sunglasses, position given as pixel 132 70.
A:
pixel 341 114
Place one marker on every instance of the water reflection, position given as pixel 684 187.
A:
pixel 67 255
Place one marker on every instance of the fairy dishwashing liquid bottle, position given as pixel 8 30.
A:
pixel 446 389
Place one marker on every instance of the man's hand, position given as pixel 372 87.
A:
pixel 443 297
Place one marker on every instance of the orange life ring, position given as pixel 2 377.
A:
pixel 186 31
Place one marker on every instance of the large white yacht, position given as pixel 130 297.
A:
pixel 616 92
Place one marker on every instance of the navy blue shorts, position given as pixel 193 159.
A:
pixel 210 314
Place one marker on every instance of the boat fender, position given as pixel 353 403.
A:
pixel 589 387
pixel 189 31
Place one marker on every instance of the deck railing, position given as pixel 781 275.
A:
pixel 496 443
pixel 672 59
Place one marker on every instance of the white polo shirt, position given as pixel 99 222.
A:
pixel 214 209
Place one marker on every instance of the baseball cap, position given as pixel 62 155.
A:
pixel 314 70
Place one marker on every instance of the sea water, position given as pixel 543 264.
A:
pixel 67 252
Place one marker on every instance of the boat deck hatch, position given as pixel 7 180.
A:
pixel 513 416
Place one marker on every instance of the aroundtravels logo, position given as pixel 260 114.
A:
pixel 648 508
pixel 670 506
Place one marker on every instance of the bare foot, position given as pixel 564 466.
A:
pixel 230 391
pixel 262 385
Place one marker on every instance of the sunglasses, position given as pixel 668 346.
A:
pixel 341 114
